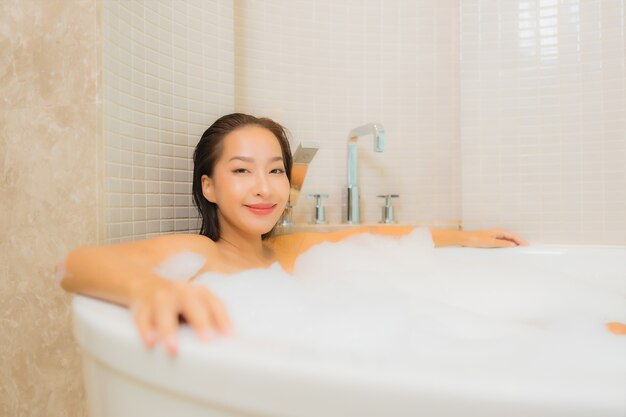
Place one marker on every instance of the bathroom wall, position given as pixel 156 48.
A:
pixel 168 71
pixel 543 118
pixel 50 185
pixel 324 67
pixel 517 121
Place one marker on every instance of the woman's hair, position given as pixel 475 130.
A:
pixel 208 152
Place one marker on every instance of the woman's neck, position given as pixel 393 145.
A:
pixel 244 250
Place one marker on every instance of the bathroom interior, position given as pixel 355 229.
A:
pixel 496 113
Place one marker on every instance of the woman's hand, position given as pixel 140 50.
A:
pixel 492 238
pixel 156 311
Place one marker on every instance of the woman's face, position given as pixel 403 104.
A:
pixel 249 183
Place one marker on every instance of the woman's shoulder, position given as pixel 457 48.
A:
pixel 289 239
pixel 173 243
pixel 190 241
pixel 289 246
pixel 189 238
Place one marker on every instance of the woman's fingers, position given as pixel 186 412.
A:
pixel 197 314
pixel 220 316
pixel 506 235
pixel 166 316
pixel 156 315
pixel 494 238
pixel 203 311
pixel 502 243
pixel 145 325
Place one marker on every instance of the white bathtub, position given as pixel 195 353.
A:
pixel 228 378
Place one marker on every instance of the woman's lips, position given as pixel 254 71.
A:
pixel 261 209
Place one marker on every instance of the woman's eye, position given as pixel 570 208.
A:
pixel 278 171
pixel 240 171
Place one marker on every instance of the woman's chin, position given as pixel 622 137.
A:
pixel 263 229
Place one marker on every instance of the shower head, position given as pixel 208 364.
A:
pixel 305 152
pixel 301 158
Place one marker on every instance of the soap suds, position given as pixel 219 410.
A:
pixel 402 304
pixel 181 266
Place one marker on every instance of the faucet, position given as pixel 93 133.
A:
pixel 376 129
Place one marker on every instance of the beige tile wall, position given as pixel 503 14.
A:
pixel 51 193
pixel 167 75
pixel 324 67
pixel 543 118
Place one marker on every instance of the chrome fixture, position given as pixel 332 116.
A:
pixel 302 157
pixel 353 207
pixel 320 211
pixel 387 215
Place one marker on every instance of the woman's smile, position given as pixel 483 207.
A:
pixel 261 209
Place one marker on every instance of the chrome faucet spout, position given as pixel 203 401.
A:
pixel 371 128
pixel 376 129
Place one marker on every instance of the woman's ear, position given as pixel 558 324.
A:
pixel 208 190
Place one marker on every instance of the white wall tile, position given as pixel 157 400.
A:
pixel 538 86
pixel 148 63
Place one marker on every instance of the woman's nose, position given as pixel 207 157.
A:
pixel 261 184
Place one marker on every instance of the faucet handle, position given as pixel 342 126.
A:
pixel 387 214
pixel 287 219
pixel 320 210
pixel 318 198
pixel 388 196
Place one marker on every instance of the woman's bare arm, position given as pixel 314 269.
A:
pixel 124 274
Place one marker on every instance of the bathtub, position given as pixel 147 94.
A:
pixel 227 378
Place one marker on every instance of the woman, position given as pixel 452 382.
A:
pixel 241 185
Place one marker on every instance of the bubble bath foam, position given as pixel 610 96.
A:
pixel 379 326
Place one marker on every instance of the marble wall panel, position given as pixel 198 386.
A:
pixel 50 183
pixel 48 53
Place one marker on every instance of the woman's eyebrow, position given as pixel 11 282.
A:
pixel 248 159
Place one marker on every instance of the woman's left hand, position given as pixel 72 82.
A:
pixel 491 238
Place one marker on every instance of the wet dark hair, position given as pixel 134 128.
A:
pixel 208 152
